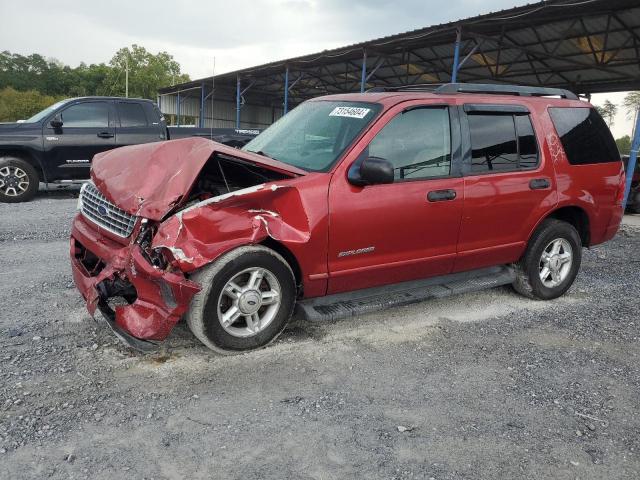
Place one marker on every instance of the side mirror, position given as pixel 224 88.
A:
pixel 56 122
pixel 373 171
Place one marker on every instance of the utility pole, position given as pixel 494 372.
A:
pixel 126 74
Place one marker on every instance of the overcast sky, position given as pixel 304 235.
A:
pixel 238 33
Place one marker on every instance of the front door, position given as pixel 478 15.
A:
pixel 87 129
pixel 383 234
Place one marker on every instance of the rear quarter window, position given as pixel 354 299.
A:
pixel 585 137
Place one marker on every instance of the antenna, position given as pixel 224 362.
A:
pixel 126 74
pixel 213 89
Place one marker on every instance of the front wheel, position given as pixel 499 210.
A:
pixel 18 180
pixel 246 300
pixel 551 262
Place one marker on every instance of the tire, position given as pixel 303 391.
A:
pixel 19 181
pixel 560 277
pixel 210 306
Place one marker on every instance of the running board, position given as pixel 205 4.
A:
pixel 341 305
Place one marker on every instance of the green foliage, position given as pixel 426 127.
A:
pixel 49 77
pixel 631 103
pixel 624 144
pixel 608 111
pixel 147 72
pixel 16 105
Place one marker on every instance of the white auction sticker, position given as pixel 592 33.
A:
pixel 351 112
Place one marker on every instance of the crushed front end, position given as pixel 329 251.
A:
pixel 140 295
pixel 129 238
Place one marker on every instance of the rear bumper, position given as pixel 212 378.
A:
pixel 159 299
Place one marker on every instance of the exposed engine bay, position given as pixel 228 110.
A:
pixel 224 174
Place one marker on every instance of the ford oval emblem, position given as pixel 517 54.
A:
pixel 102 210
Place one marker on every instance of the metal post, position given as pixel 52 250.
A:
pixel 178 110
pixel 363 75
pixel 456 55
pixel 633 158
pixel 202 105
pixel 238 102
pixel 286 90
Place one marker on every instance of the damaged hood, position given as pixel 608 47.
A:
pixel 151 179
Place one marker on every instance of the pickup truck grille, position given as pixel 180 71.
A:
pixel 96 208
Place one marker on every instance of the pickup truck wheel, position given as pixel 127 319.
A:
pixel 18 180
pixel 551 262
pixel 246 300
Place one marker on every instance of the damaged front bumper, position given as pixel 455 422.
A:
pixel 104 269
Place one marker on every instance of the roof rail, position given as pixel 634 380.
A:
pixel 490 88
pixel 417 87
pixel 506 90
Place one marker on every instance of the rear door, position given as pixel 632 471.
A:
pixel 136 124
pixel 508 186
pixel 88 128
pixel 384 234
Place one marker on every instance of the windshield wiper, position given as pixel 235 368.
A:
pixel 260 152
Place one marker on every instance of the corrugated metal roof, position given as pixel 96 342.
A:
pixel 586 46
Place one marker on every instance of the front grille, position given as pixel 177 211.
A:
pixel 96 208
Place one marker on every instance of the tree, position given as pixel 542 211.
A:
pixel 608 111
pixel 631 104
pixel 16 105
pixel 147 72
pixel 624 144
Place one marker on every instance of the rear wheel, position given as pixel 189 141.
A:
pixel 551 262
pixel 18 180
pixel 246 300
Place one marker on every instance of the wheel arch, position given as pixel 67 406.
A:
pixel 27 157
pixel 288 255
pixel 575 216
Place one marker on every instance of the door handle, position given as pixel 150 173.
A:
pixel 539 183
pixel 441 195
pixel 106 135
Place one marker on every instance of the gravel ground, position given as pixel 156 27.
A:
pixel 485 385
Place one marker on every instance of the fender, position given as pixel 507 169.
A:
pixel 201 233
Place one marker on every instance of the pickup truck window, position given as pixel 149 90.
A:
pixel 417 143
pixel 88 115
pixel 131 115
pixel 313 135
pixel 502 143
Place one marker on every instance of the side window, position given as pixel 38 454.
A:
pixel 584 135
pixel 502 143
pixel 131 115
pixel 417 143
pixel 527 144
pixel 88 115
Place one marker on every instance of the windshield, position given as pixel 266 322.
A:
pixel 44 113
pixel 314 135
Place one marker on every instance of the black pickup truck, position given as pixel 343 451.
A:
pixel 57 144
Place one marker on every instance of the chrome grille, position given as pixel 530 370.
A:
pixel 96 208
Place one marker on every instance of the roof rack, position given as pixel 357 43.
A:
pixel 489 88
pixel 506 90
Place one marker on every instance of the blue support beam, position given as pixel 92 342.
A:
pixel 178 110
pixel 238 95
pixel 201 122
pixel 363 75
pixel 456 56
pixel 286 90
pixel 633 159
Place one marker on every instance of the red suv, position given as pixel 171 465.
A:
pixel 347 204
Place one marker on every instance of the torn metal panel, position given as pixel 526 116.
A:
pixel 152 179
pixel 201 233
